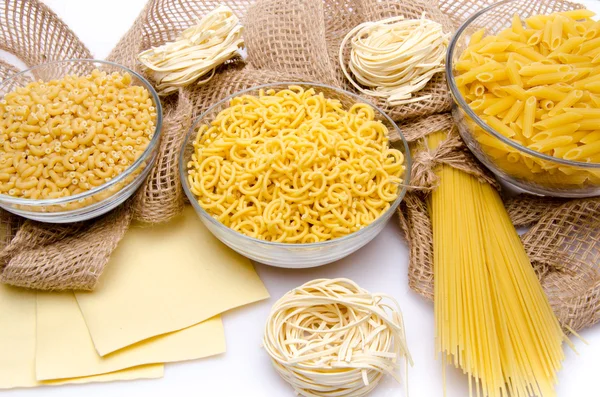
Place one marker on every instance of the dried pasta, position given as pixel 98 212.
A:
pixel 63 137
pixel 329 337
pixel 196 52
pixel 293 166
pixel 546 70
pixel 394 58
pixel 493 319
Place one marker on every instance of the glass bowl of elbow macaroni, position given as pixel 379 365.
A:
pixel 77 138
pixel 527 95
pixel 294 175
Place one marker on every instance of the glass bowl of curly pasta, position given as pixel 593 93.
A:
pixel 527 94
pixel 294 175
pixel 77 138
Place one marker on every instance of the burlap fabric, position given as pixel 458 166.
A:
pixel 33 254
pixel 563 242
pixel 286 41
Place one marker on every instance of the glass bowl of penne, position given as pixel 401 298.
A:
pixel 525 77
pixel 294 174
pixel 77 138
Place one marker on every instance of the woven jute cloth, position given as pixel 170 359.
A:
pixel 563 241
pixel 287 41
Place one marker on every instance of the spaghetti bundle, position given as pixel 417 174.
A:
pixel 493 319
pixel 394 57
pixel 329 337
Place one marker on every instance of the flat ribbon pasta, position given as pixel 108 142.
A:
pixel 329 337
pixel 395 57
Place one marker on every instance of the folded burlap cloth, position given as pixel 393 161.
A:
pixel 286 41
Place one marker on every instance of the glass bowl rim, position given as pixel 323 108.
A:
pixel 143 157
pixel 194 201
pixel 463 104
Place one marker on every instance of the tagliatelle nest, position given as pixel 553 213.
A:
pixel 395 57
pixel 330 337
pixel 195 53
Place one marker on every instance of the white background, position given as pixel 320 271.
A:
pixel 381 266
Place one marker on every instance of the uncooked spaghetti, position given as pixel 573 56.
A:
pixel 493 319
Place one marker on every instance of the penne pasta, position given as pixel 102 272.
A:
pixel 556 121
pixel 500 106
pixel 555 34
pixel 551 78
pixel 584 151
pixel 546 36
pixel 516 91
pixel 513 112
pixel 572 98
pixel 551 93
pixel 477 89
pixel 530 53
pixel 589 124
pixel 570 58
pixel 565 129
pixel 494 47
pixel 534 69
pixel 493 75
pixel 535 38
pixel 465 65
pixel 529 116
pixel 546 104
pixel 566 47
pixel 590 113
pixel 471 75
pixel 560 151
pixel 512 71
pixel 516 25
pixel 499 126
pixel 591 137
pixel 476 37
pixel 537 82
pixel 593 87
pixel 550 144
pixel 537 22
pixel 592 31
pixel 588 45
pixel 577 14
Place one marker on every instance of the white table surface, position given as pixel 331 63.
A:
pixel 381 266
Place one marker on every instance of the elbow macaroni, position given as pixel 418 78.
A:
pixel 546 75
pixel 62 137
pixel 295 167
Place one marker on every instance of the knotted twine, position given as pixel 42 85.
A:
pixel 563 242
pixel 288 41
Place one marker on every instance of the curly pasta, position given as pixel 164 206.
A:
pixel 293 166
pixel 63 137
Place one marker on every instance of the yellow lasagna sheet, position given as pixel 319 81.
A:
pixel 165 278
pixel 65 349
pixel 17 346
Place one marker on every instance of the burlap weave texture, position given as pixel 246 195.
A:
pixel 286 41
pixel 563 241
